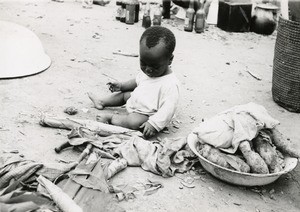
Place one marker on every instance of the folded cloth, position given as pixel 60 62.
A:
pixel 227 129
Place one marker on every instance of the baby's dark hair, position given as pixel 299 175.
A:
pixel 155 34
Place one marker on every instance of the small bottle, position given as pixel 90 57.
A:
pixel 130 12
pixel 189 17
pixel 200 19
pixel 137 11
pixel 146 17
pixel 119 10
pixel 123 13
pixel 157 15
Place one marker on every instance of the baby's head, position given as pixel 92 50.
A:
pixel 156 51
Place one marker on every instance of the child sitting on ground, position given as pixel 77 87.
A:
pixel 151 99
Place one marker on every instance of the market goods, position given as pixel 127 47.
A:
pixel 283 143
pixel 263 154
pixel 264 147
pixel 237 163
pixel 225 160
pixel 254 160
pixel 214 155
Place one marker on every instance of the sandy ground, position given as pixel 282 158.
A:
pixel 211 66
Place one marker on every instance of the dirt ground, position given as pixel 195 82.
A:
pixel 211 66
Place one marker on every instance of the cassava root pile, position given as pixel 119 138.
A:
pixel 262 155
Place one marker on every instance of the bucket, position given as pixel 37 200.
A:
pixel 286 65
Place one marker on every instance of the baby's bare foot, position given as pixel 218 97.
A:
pixel 97 102
pixel 104 118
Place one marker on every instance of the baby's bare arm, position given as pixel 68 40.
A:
pixel 129 85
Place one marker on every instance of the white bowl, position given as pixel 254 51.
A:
pixel 21 51
pixel 240 178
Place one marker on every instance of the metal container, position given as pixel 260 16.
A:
pixel 240 178
pixel 264 19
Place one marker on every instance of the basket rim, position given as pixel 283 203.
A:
pixel 281 18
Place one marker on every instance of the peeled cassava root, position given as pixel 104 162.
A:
pixel 254 160
pixel 228 161
pixel 270 144
pixel 264 147
pixel 283 144
pixel 63 201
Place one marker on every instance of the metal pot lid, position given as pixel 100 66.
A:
pixel 267 6
pixel 21 52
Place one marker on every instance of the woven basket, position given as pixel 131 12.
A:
pixel 286 68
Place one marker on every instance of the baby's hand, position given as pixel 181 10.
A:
pixel 149 130
pixel 114 86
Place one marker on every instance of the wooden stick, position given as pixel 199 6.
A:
pixel 126 54
pixel 85 152
pixel 254 75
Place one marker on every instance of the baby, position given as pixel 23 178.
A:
pixel 152 97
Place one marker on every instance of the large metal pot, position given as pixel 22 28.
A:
pixel 264 19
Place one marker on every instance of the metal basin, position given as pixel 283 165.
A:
pixel 240 178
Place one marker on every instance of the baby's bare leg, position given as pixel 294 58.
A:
pixel 131 121
pixel 113 100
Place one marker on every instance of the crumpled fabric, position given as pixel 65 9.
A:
pixel 156 157
pixel 14 199
pixel 89 179
pixel 131 190
pixel 227 129
pixel 53 170
pixel 14 168
pixel 83 135
pixel 163 158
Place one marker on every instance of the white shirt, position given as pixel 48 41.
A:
pixel 156 97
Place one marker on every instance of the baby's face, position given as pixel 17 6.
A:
pixel 154 61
